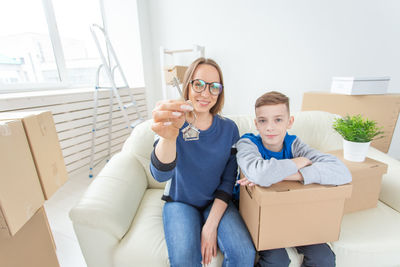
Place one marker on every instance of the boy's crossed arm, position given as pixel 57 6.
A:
pixel 266 172
pixel 300 162
pixel 310 166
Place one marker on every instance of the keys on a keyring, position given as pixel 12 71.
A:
pixel 190 132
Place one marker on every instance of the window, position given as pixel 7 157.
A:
pixel 47 43
pixel 74 18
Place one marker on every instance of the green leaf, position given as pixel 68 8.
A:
pixel 356 129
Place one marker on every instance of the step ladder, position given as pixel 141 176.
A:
pixel 109 67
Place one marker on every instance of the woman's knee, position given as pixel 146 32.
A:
pixel 243 256
pixel 234 240
pixel 184 258
pixel 182 228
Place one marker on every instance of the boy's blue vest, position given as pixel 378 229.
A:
pixel 285 153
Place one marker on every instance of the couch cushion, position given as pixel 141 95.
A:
pixel 369 238
pixel 390 181
pixel 144 244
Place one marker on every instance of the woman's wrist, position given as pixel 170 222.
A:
pixel 165 150
pixel 211 224
pixel 168 141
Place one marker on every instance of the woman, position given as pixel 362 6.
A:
pixel 200 172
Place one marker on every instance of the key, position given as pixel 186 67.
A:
pixel 190 132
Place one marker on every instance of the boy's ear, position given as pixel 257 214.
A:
pixel 291 120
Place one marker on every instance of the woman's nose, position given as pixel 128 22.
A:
pixel 206 91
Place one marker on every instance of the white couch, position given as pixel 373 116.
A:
pixel 118 221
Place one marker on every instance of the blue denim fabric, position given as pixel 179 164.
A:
pixel 318 255
pixel 182 227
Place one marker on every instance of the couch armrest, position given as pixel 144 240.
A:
pixel 111 201
pixel 390 189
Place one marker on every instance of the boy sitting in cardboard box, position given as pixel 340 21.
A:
pixel 274 156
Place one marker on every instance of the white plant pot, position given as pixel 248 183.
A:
pixel 354 151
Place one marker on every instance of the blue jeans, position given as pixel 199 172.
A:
pixel 318 255
pixel 183 224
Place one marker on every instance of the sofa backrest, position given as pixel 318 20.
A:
pixel 312 127
pixel 315 129
pixel 140 144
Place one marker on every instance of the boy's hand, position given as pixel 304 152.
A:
pixel 301 162
pixel 244 181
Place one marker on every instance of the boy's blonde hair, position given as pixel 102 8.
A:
pixel 216 109
pixel 272 98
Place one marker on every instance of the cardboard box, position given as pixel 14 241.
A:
pixel 20 191
pixel 176 71
pixel 367 179
pixel 360 86
pixel 45 147
pixel 382 108
pixel 290 214
pixel 32 246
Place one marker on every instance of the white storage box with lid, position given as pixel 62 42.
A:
pixel 359 85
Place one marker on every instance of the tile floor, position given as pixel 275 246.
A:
pixel 57 208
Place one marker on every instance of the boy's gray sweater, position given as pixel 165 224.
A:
pixel 325 169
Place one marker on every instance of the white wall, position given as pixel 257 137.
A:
pixel 122 25
pixel 289 46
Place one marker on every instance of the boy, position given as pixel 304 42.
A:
pixel 274 156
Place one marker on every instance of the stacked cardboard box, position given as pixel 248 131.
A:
pixel 367 179
pixel 32 169
pixel 176 71
pixel 290 214
pixel 20 191
pixel 32 246
pixel 384 109
pixel 45 148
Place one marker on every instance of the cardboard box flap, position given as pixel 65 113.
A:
pixel 371 164
pixel 20 114
pixel 287 192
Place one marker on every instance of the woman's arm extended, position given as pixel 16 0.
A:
pixel 209 231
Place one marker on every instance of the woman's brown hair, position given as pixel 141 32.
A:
pixel 216 109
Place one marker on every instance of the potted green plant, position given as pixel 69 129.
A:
pixel 357 134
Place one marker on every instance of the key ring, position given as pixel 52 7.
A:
pixel 190 132
pixel 194 114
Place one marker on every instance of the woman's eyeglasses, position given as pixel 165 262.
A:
pixel 200 85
